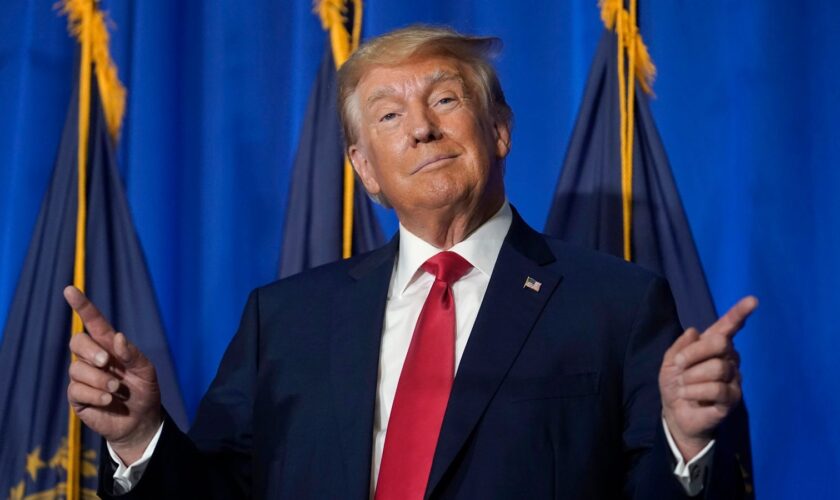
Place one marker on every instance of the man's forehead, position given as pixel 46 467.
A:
pixel 383 81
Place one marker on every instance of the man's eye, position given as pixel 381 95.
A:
pixel 388 117
pixel 446 100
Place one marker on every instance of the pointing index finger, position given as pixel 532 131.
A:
pixel 98 327
pixel 729 324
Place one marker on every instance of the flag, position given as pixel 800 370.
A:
pixel 589 203
pixel 329 216
pixel 36 456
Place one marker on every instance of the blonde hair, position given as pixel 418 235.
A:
pixel 396 47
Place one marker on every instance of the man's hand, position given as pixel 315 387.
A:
pixel 113 386
pixel 700 381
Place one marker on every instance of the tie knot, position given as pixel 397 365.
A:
pixel 448 267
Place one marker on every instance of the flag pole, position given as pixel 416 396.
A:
pixel 74 430
pixel 627 142
pixel 87 24
pixel 344 43
pixel 638 67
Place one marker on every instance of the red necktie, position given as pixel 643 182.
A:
pixel 423 389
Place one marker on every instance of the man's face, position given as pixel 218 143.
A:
pixel 423 142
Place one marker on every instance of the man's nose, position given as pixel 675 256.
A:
pixel 422 127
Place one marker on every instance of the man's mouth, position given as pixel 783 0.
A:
pixel 433 161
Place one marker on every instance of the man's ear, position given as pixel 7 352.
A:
pixel 501 132
pixel 363 169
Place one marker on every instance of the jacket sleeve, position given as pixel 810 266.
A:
pixel 214 459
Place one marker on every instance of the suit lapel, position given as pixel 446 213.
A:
pixel 506 317
pixel 358 312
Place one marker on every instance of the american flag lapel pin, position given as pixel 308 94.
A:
pixel 532 284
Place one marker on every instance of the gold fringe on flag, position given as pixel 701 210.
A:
pixel 333 14
pixel 623 22
pixel 90 25
pixel 87 24
pixel 639 68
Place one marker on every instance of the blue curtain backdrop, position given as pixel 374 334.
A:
pixel 747 107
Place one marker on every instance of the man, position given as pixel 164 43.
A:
pixel 469 358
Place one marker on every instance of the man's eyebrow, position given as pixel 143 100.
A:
pixel 440 76
pixel 380 93
pixel 435 78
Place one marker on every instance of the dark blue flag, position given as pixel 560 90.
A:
pixel 587 203
pixel 587 209
pixel 34 357
pixel 313 230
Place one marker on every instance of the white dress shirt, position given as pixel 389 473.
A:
pixel 407 293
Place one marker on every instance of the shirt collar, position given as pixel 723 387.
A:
pixel 481 249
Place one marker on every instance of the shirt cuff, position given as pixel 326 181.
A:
pixel 126 478
pixel 691 474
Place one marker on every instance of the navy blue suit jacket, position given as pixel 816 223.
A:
pixel 556 395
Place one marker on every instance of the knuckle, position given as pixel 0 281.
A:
pixel 76 343
pixel 720 369
pixel 72 391
pixel 74 369
pixel 734 369
pixel 728 372
pixel 690 353
pixel 83 372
